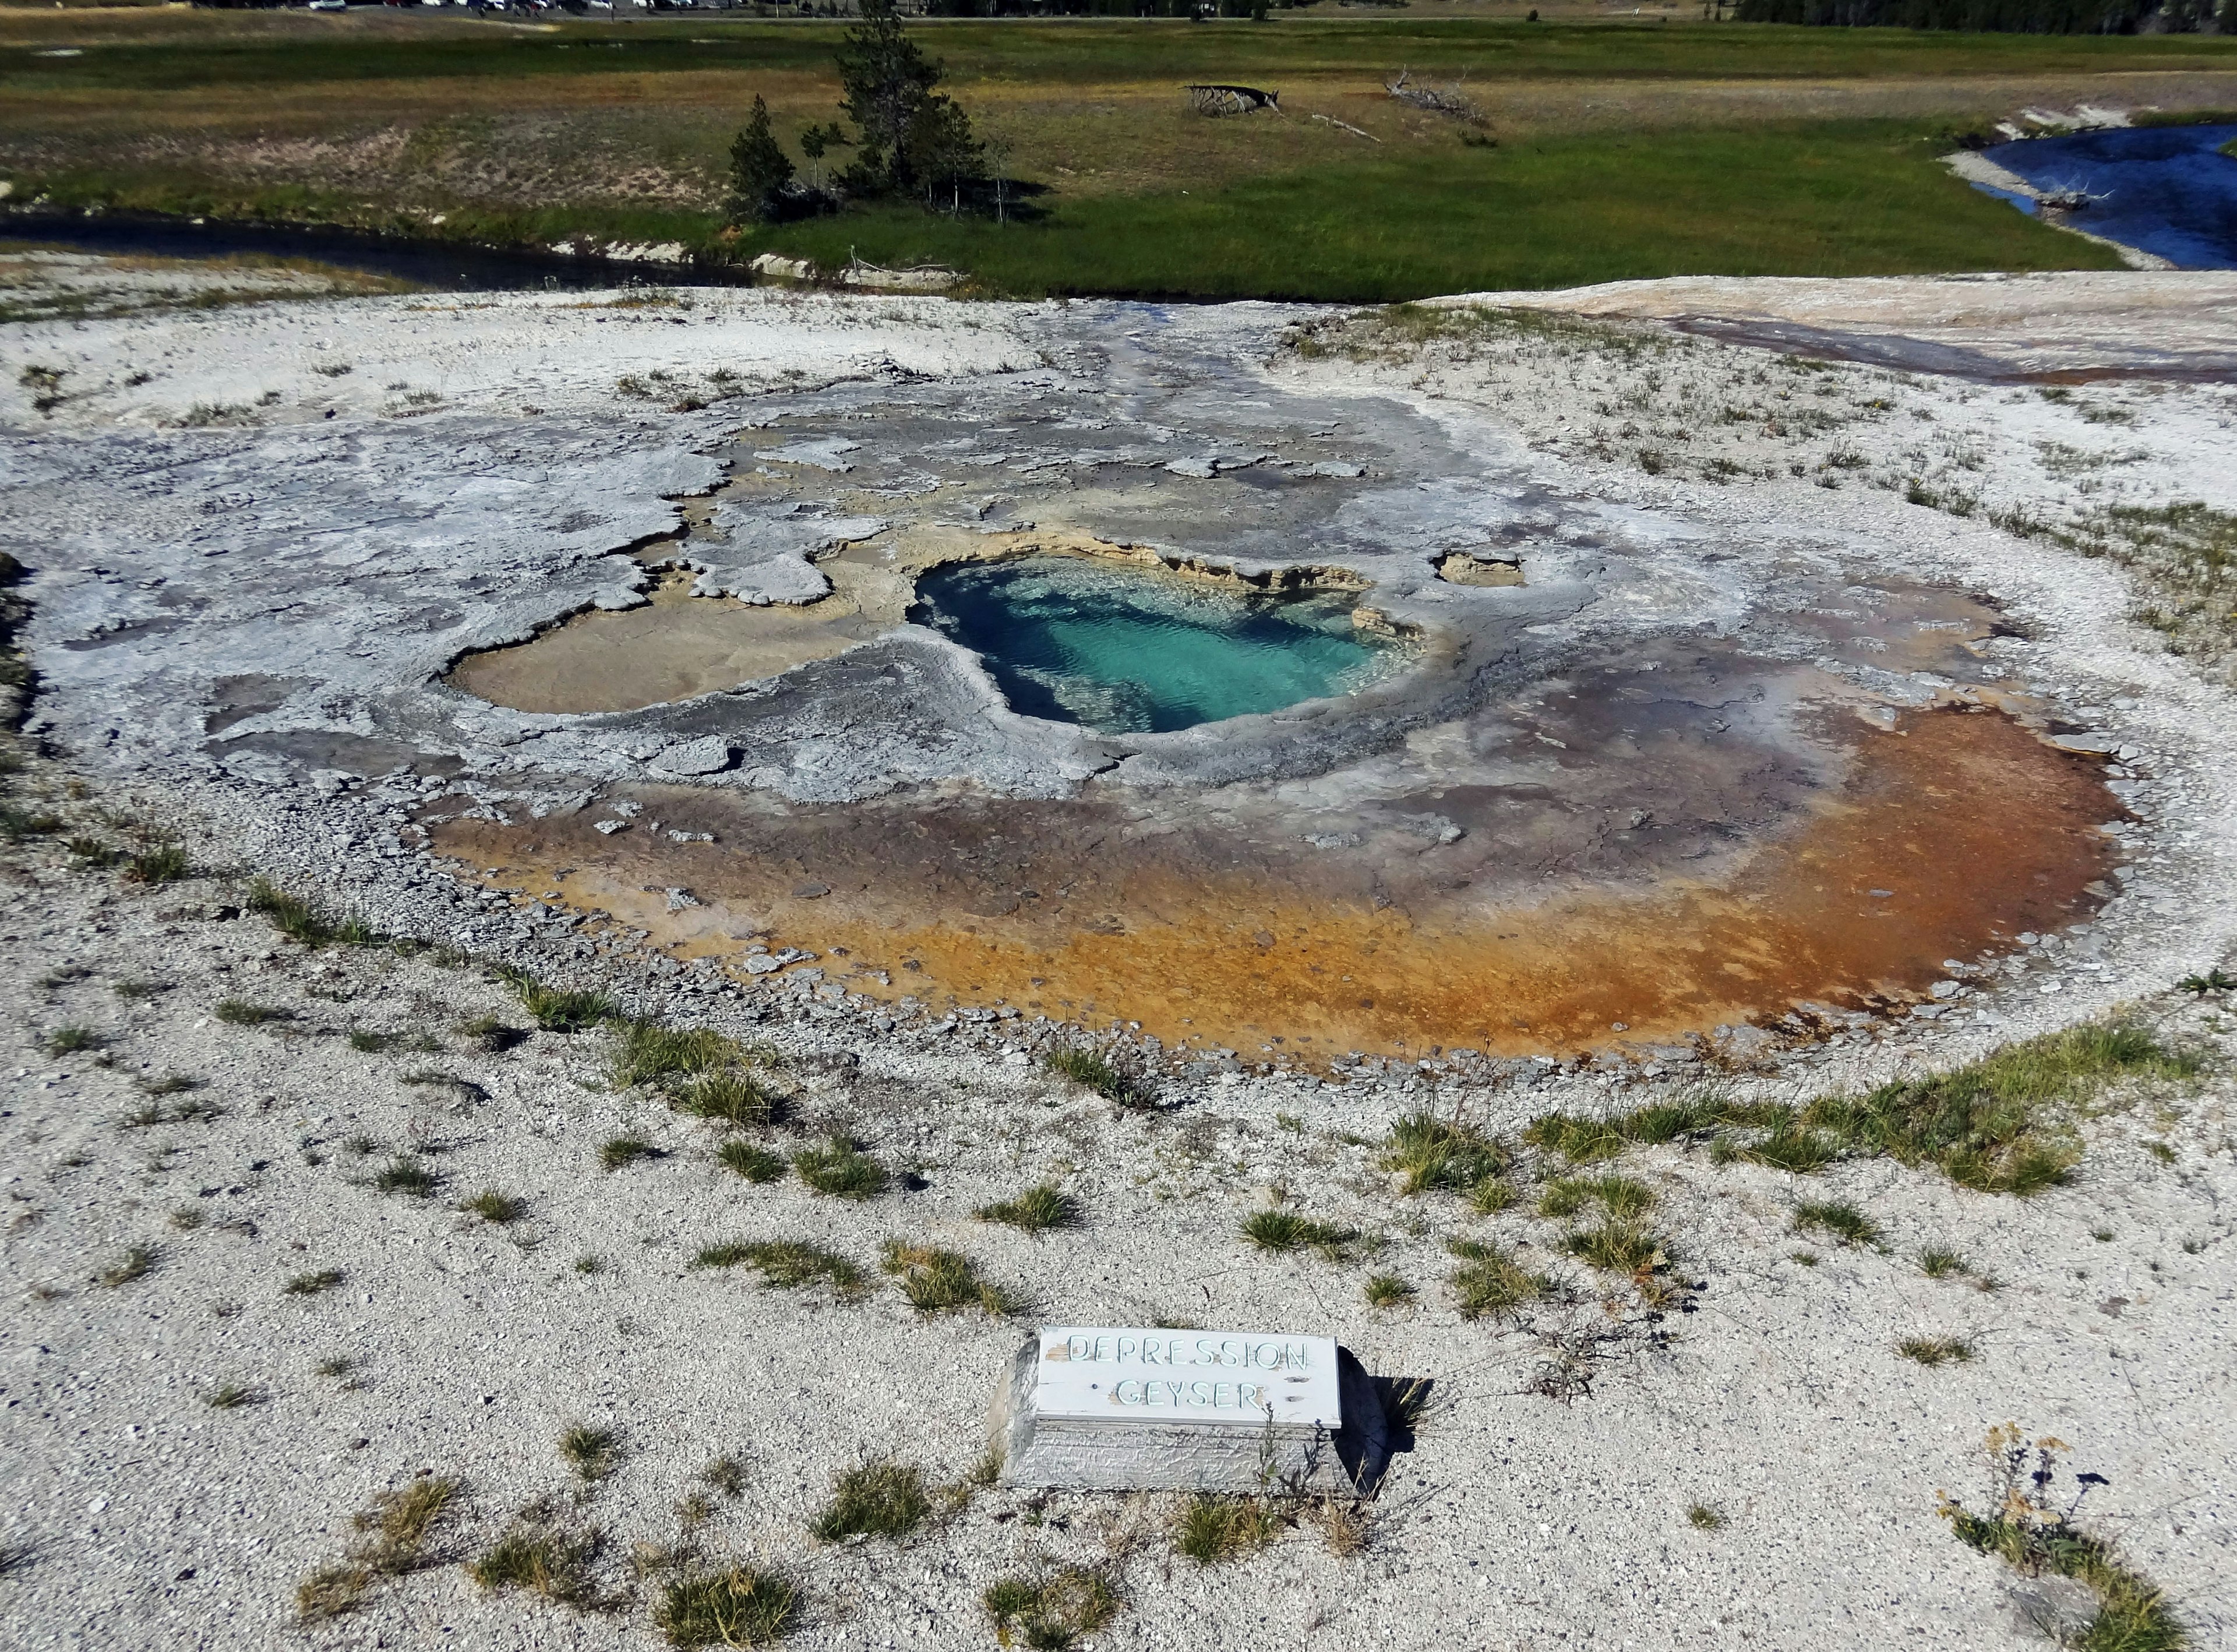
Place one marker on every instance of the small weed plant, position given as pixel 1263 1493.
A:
pixel 303 920
pixel 542 1560
pixel 619 1153
pixel 2032 1531
pixel 311 1284
pixel 1388 1291
pixel 493 1207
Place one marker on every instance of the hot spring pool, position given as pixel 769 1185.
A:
pixel 1129 651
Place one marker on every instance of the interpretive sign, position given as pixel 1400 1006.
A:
pixel 1092 1375
pixel 1133 1407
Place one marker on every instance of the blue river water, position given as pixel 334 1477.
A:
pixel 2166 189
pixel 1125 651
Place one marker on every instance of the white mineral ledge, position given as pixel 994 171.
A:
pixel 1130 1376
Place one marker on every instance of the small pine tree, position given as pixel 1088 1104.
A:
pixel 943 153
pixel 759 170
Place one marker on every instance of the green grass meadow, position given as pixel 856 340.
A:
pixel 1861 199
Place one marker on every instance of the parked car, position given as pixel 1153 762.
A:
pixel 329 5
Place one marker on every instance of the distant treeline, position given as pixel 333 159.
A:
pixel 2005 17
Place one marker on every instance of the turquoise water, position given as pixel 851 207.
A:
pixel 1128 652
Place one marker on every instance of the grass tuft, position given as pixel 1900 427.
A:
pixel 136 1263
pixel 756 1164
pixel 1093 1070
pixel 310 1284
pixel 1837 1218
pixel 1036 1209
pixel 618 1153
pixel 883 1499
pixel 841 1169
pixel 1619 1197
pixel 232 1396
pixel 239 1012
pixel 654 1053
pixel 1935 1351
pixel 544 1561
pixel 72 1040
pixel 306 921
pixel 1490 1283
pixel 785 1264
pixel 1053 1609
pixel 937 1281
pixel 1615 1246
pixel 1281 1231
pixel 561 1009
pixel 1940 1262
pixel 591 1451
pixel 407 1176
pixel 733 1606
pixel 1211 1529
pixel 1702 1517
pixel 1433 1152
pixel 494 1207
pixel 729 1098
pixel 1388 1291
pixel 158 863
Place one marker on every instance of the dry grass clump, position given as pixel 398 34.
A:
pixel 231 1396
pixel 239 1012
pixel 1490 1283
pixel 841 1169
pixel 937 1281
pixel 1211 1528
pixel 1931 1351
pixel 591 1451
pixel 731 1606
pixel 400 1522
pixel 538 1558
pixel 1052 1609
pixel 786 1264
pixel 1036 1209
pixel 881 1499
pixel 137 1262
pixel 310 1284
